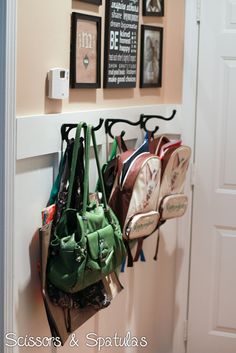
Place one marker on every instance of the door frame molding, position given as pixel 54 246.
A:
pixel 189 112
pixel 7 162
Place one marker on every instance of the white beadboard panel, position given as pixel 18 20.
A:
pixel 32 187
pixel 146 306
pixel 40 135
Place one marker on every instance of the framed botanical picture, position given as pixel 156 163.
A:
pixel 85 56
pixel 153 8
pixel 151 56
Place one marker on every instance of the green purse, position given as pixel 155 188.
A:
pixel 87 244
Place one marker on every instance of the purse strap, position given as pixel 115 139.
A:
pixel 121 143
pixel 100 176
pixel 86 168
pixel 88 131
pixel 75 153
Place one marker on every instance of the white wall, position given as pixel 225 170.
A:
pixel 147 305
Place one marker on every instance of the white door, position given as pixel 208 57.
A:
pixel 212 306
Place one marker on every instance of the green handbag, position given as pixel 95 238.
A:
pixel 87 244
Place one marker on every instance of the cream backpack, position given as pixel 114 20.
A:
pixel 172 202
pixel 148 189
pixel 175 159
pixel 135 195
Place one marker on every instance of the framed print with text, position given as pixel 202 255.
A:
pixel 85 56
pixel 151 56
pixel 121 43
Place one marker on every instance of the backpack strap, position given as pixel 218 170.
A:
pixel 139 251
pixel 129 254
pixel 157 247
pixel 121 143
pixel 156 143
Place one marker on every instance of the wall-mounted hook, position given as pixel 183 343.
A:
pixel 144 119
pixel 110 122
pixel 66 128
pixel 95 128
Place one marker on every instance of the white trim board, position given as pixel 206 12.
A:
pixel 190 72
pixel 39 135
pixel 2 162
pixel 7 163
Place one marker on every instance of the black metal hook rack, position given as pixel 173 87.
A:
pixel 145 118
pixel 66 128
pixel 109 123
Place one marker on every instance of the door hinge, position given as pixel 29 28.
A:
pixel 198 11
pixel 193 174
pixel 185 330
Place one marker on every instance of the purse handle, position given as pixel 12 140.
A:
pixel 75 153
pixel 100 176
pixel 88 131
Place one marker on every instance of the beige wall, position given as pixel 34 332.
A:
pixel 44 42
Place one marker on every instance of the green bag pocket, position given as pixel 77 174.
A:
pixel 66 268
pixel 101 248
pixel 106 248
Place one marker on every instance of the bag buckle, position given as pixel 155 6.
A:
pixel 103 250
pixel 81 254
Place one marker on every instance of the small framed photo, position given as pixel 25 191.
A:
pixel 151 56
pixel 93 2
pixel 153 8
pixel 85 55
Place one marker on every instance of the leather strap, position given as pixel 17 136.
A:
pixel 121 144
pixel 129 254
pixel 139 249
pixel 88 131
pixel 100 176
pixel 74 162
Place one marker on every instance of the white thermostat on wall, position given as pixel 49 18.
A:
pixel 58 83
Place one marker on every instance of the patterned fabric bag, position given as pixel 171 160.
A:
pixel 66 312
pixel 174 164
pixel 135 194
pixel 175 159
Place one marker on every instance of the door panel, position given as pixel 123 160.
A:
pixel 212 309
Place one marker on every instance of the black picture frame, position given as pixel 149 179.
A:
pixel 85 53
pixel 151 56
pixel 121 43
pixel 153 8
pixel 93 2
